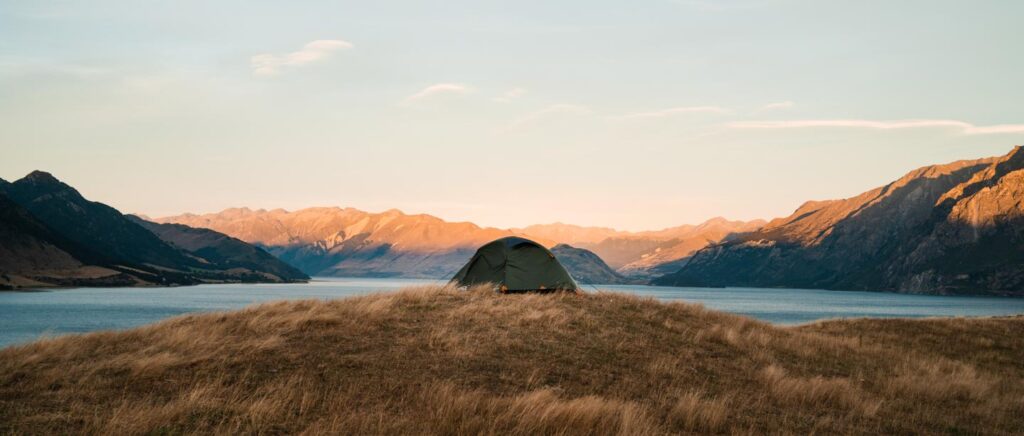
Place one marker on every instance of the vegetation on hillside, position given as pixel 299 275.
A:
pixel 436 360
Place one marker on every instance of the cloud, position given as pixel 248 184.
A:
pixel 553 110
pixel 675 111
pixel 779 105
pixel 435 90
pixel 270 65
pixel 510 95
pixel 964 127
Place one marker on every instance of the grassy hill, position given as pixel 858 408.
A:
pixel 435 360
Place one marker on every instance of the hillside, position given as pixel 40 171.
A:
pixel 682 242
pixel 438 361
pixel 586 267
pixel 53 236
pixel 221 250
pixel 90 224
pixel 952 229
pixel 33 255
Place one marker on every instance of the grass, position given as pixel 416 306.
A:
pixel 440 361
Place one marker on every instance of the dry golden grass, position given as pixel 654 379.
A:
pixel 441 361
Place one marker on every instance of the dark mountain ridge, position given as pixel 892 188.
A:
pixel 50 235
pixel 221 250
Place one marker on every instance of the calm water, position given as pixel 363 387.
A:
pixel 25 316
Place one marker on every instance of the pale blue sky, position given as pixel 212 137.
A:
pixel 636 115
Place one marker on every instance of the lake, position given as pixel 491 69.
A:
pixel 25 316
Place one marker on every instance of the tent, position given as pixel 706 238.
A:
pixel 515 265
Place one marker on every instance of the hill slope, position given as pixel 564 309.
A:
pixel 437 361
pixel 103 229
pixel 954 228
pixel 53 236
pixel 681 242
pixel 33 255
pixel 586 267
pixel 221 250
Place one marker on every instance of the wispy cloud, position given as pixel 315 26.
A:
pixel 267 64
pixel 675 111
pixel 436 90
pixel 964 127
pixel 778 105
pixel 550 111
pixel 510 95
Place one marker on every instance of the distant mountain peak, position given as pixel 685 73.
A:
pixel 38 183
pixel 38 176
pixel 1015 155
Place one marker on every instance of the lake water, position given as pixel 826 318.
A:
pixel 25 316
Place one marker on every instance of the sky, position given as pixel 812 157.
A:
pixel 634 115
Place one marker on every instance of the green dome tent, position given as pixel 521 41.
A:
pixel 515 265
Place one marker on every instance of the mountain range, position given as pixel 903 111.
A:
pixel 956 228
pixel 52 236
pixel 643 254
pixel 950 229
pixel 332 241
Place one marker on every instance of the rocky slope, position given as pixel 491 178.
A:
pixel 52 236
pixel 949 229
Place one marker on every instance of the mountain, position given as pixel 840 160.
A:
pixel 586 267
pixel 55 237
pixel 349 242
pixel 684 241
pixel 332 241
pixel 223 251
pixel 26 244
pixel 644 254
pixel 31 253
pixel 97 226
pixel 956 228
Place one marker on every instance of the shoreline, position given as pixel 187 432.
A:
pixel 232 297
